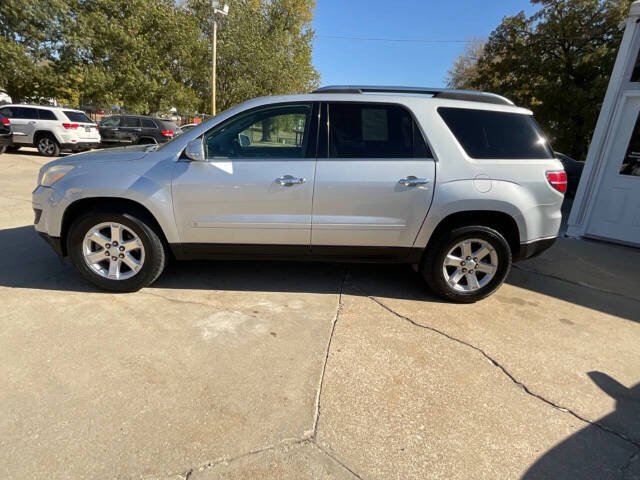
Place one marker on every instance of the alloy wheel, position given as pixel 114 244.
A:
pixel 470 265
pixel 113 251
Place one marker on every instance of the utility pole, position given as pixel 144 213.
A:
pixel 214 43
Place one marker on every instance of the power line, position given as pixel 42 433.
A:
pixel 379 39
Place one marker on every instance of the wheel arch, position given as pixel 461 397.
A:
pixel 40 133
pixel 502 222
pixel 101 204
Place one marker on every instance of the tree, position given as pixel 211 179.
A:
pixel 557 63
pixel 465 66
pixel 152 55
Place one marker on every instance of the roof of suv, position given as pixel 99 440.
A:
pixel 46 107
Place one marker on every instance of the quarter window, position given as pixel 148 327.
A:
pixel 374 131
pixel 275 132
pixel 488 134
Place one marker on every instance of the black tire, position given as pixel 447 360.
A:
pixel 432 265
pixel 155 254
pixel 47 145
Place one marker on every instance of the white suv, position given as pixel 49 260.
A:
pixel 459 184
pixel 51 129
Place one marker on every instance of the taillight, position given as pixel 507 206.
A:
pixel 70 126
pixel 5 121
pixel 167 133
pixel 558 180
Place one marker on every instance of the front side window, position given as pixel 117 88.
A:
pixel 485 134
pixel 110 122
pixel 130 122
pixel 373 130
pixel 273 132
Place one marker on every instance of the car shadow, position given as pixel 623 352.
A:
pixel 594 452
pixel 28 262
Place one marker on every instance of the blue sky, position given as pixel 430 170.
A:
pixel 347 61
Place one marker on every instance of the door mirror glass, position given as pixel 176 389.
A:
pixel 195 150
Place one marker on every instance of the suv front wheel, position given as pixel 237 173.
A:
pixel 118 252
pixel 467 264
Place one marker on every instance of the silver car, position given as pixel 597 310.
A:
pixel 458 184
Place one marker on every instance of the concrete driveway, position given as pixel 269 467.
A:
pixel 283 370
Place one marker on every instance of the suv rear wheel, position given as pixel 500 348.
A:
pixel 47 145
pixel 118 252
pixel 467 264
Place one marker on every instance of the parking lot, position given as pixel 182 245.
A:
pixel 305 370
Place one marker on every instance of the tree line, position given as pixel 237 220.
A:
pixel 148 56
pixel 556 62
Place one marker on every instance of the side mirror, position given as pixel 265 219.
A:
pixel 195 150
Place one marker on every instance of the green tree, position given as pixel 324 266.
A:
pixel 264 48
pixel 556 62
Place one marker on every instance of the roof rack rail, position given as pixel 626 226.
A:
pixel 468 95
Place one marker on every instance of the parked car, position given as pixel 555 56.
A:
pixel 188 126
pixel 460 184
pixel 51 129
pixel 122 130
pixel 5 133
pixel 574 173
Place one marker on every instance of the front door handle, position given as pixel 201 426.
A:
pixel 289 180
pixel 412 181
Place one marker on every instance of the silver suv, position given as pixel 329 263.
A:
pixel 458 184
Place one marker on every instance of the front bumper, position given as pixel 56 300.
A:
pixel 533 249
pixel 54 242
pixel 5 140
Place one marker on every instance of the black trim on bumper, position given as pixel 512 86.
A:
pixel 79 146
pixel 533 249
pixel 54 242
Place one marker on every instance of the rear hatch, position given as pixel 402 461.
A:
pixel 85 128
pixel 168 129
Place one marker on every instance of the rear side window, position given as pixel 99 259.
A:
pixel 46 115
pixel 370 130
pixel 148 123
pixel 488 134
pixel 77 117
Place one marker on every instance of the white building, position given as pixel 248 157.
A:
pixel 607 204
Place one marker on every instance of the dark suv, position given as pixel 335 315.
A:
pixel 120 130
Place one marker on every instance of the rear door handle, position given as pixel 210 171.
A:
pixel 412 181
pixel 289 180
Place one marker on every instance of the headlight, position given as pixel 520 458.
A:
pixel 50 175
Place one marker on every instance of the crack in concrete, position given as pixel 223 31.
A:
pixel 314 431
pixel 309 436
pixel 175 300
pixel 627 466
pixel 511 377
pixel 578 284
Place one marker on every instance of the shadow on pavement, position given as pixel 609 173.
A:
pixel 27 262
pixel 593 452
